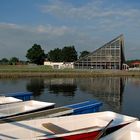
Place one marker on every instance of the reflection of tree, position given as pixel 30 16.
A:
pixel 36 86
pixel 64 89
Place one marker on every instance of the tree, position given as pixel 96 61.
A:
pixel 69 54
pixel 13 61
pixel 55 55
pixel 36 54
pixel 4 61
pixel 83 53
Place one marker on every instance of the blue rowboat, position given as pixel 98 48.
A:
pixel 90 106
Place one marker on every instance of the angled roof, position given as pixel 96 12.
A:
pixel 120 37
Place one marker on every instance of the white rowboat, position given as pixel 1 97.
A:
pixel 74 127
pixel 19 108
pixel 128 132
pixel 7 100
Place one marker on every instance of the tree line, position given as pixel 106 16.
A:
pixel 37 55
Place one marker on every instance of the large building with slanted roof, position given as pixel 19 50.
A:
pixel 109 56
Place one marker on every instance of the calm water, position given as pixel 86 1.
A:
pixel 117 94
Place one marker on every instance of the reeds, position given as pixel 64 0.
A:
pixel 21 71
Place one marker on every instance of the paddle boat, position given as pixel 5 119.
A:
pixel 128 132
pixel 20 108
pixel 74 127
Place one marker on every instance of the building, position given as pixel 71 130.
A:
pixel 109 56
pixel 59 65
pixel 135 65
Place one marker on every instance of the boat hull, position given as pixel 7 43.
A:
pixel 84 136
pixel 25 107
pixel 128 132
pixel 87 135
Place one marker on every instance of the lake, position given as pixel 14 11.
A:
pixel 119 94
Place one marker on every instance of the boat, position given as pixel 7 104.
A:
pixel 74 127
pixel 72 109
pixel 89 106
pixel 25 96
pixel 20 108
pixel 7 100
pixel 49 113
pixel 128 132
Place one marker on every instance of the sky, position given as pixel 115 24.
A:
pixel 86 24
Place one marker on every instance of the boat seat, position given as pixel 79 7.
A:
pixel 59 130
pixel 54 128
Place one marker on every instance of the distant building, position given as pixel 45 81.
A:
pixel 109 56
pixel 135 65
pixel 59 65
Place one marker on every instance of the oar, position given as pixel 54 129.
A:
pixel 102 131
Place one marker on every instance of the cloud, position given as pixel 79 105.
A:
pixel 94 12
pixel 92 9
pixel 87 26
pixel 51 30
pixel 9 25
pixel 17 39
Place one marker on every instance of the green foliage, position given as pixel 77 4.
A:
pixel 55 55
pixel 4 61
pixel 36 54
pixel 83 53
pixel 69 54
pixel 13 61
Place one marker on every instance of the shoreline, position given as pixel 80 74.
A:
pixel 70 74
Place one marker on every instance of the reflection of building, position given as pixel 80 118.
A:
pixel 109 56
pixel 134 80
pixel 108 89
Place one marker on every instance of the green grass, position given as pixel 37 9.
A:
pixel 12 71
pixel 24 68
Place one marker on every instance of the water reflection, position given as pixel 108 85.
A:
pixel 66 86
pixel 108 89
pixel 117 94
pixel 64 91
pixel 36 86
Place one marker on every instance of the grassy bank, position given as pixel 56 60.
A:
pixel 12 71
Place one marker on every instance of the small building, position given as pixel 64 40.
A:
pixel 135 65
pixel 59 65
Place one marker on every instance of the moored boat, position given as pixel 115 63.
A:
pixel 74 127
pixel 7 100
pixel 19 108
pixel 72 109
pixel 128 132
pixel 89 106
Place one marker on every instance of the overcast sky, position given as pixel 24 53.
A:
pixel 86 24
